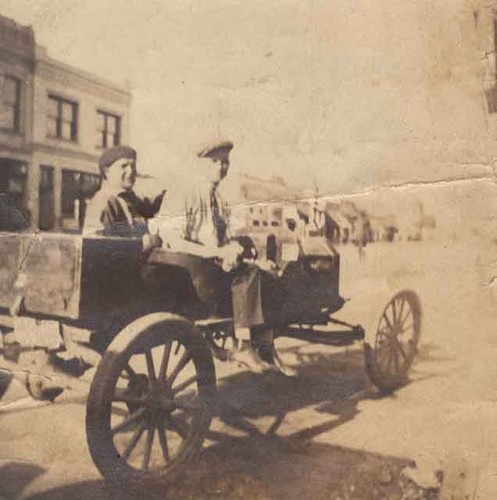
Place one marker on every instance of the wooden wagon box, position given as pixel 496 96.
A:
pixel 67 276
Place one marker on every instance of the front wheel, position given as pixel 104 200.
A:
pixel 396 342
pixel 150 403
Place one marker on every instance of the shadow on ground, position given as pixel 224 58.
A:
pixel 255 468
pixel 255 452
pixel 14 477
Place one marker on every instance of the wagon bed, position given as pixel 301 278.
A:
pixel 106 286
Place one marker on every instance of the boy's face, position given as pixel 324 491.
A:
pixel 122 173
pixel 218 166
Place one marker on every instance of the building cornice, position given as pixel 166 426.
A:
pixel 63 152
pixel 27 150
pixel 72 77
pixel 23 149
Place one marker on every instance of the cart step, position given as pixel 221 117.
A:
pixel 327 337
pixel 214 322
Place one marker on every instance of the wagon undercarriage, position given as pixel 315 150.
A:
pixel 153 380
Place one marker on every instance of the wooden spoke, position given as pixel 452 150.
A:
pixel 389 324
pixel 150 365
pixel 402 304
pixel 184 360
pixel 408 327
pixel 163 441
pixel 404 319
pixel 400 348
pixel 178 347
pixel 391 312
pixel 185 384
pixel 148 448
pixel 130 371
pixel 121 412
pixel 134 441
pixel 129 421
pixel 382 334
pixel 122 396
pixel 394 311
pixel 179 425
pixel 165 361
pixel 189 407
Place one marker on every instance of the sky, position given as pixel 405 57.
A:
pixel 198 71
pixel 330 94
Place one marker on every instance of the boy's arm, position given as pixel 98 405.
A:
pixel 148 207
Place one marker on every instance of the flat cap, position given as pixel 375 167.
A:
pixel 215 149
pixel 111 155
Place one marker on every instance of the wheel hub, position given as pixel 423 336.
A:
pixel 160 399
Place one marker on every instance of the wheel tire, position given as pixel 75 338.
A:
pixel 146 333
pixel 389 361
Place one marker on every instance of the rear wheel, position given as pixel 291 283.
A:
pixel 150 403
pixel 396 342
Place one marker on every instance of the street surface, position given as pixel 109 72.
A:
pixel 326 434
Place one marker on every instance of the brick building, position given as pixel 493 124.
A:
pixel 55 120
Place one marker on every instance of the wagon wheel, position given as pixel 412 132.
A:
pixel 150 403
pixel 396 342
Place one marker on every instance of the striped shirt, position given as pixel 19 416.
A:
pixel 198 214
pixel 123 213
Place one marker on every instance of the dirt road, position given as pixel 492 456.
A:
pixel 325 434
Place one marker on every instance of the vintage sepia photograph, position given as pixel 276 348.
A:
pixel 248 250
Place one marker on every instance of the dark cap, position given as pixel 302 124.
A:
pixel 111 155
pixel 216 149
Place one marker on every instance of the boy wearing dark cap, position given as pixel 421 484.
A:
pixel 116 210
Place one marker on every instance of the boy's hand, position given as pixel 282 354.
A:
pixel 151 241
pixel 229 255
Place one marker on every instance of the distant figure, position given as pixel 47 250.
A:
pixel 392 234
pixel 363 234
pixel 12 217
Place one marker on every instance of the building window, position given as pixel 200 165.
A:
pixel 10 103
pixel 70 181
pixel 77 188
pixel 14 215
pixel 46 200
pixel 62 118
pixel 13 175
pixel 108 130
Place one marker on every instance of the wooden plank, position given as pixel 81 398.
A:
pixel 10 246
pixel 52 267
pixel 110 276
pixel 68 276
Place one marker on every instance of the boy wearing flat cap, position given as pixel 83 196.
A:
pixel 198 222
pixel 116 210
